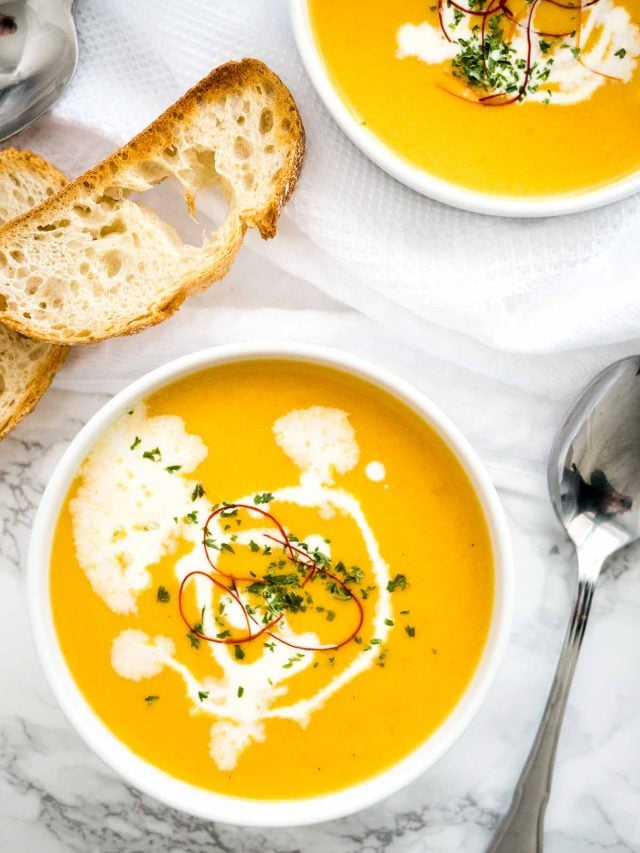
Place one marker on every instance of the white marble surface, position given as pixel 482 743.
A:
pixel 56 796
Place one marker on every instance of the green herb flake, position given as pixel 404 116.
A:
pixel 398 582
pixel 197 492
pixel 137 440
pixel 411 631
pixel 240 692
pixel 151 699
pixel 620 53
pixel 263 498
pixel 154 455
pixel 203 694
pixel 171 469
pixel 238 652
pixel 163 595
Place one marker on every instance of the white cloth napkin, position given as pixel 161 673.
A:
pixel 499 320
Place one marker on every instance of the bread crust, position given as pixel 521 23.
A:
pixel 14 160
pixel 40 382
pixel 156 137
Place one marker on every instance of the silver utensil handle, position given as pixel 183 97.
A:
pixel 521 830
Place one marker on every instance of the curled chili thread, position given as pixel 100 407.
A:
pixel 254 629
pixel 500 7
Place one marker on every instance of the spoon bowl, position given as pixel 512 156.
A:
pixel 597 446
pixel 594 483
pixel 38 56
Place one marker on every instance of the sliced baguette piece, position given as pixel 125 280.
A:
pixel 26 367
pixel 90 263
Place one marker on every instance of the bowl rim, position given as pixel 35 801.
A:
pixel 187 797
pixel 424 182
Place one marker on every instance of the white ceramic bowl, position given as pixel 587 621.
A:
pixel 418 179
pixel 182 795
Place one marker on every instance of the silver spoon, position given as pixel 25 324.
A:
pixel 38 55
pixel 594 482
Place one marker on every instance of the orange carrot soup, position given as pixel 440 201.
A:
pixel 271 579
pixel 510 97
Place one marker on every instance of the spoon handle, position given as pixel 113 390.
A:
pixel 521 830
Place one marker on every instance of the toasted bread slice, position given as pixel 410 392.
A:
pixel 90 263
pixel 26 366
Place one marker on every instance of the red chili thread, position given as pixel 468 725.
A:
pixel 441 21
pixel 527 71
pixel 232 590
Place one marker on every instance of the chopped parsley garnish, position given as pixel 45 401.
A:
pixel 620 53
pixel 240 692
pixel 151 699
pixel 137 440
pixel 198 492
pixel 171 469
pixel 337 591
pixel 488 61
pixel 398 582
pixel 154 455
pixel 268 597
pixel 203 694
pixel 163 595
pixel 411 631
pixel 263 498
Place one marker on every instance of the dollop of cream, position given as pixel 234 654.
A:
pixel 228 739
pixel 425 42
pixel 135 655
pixel 319 440
pixel 125 508
pixel 610 47
pixel 375 471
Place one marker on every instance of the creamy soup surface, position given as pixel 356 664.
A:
pixel 271 579
pixel 513 97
